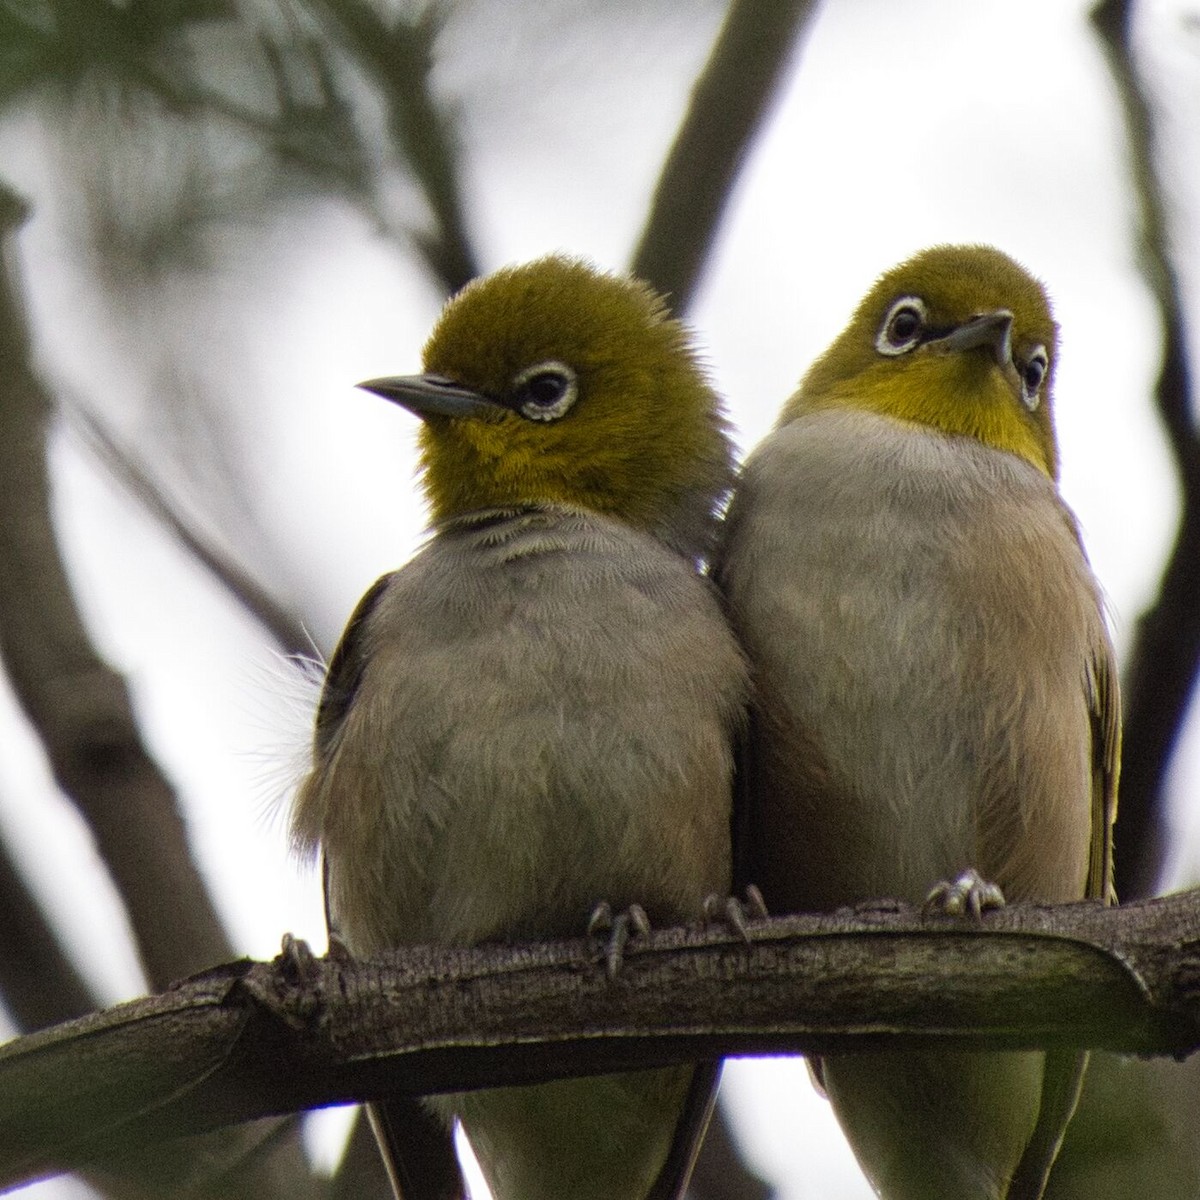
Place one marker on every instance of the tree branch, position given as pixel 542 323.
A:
pixel 398 56
pixel 253 1039
pixel 729 101
pixel 283 626
pixel 39 983
pixel 82 713
pixel 1162 668
pixel 78 704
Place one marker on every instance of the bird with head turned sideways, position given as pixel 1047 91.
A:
pixel 935 713
pixel 534 718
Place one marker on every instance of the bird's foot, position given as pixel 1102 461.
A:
pixel 968 895
pixel 617 929
pixel 736 913
pixel 294 990
pixel 297 960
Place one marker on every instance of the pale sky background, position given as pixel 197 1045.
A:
pixel 904 124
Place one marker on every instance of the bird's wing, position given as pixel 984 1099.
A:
pixel 416 1148
pixel 1064 1070
pixel 1062 1081
pixel 345 670
pixel 672 1180
pixel 1104 706
pixel 740 812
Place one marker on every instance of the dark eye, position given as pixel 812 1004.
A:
pixel 546 388
pixel 1032 375
pixel 545 391
pixel 902 327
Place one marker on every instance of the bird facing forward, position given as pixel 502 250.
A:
pixel 935 695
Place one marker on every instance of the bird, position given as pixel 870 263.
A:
pixel 935 712
pixel 531 724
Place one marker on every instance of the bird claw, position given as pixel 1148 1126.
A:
pixel 618 928
pixel 299 964
pixel 736 913
pixel 968 895
pixel 297 960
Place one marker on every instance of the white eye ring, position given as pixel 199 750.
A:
pixel 1033 375
pixel 545 391
pixel 902 327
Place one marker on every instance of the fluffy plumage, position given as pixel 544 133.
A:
pixel 934 687
pixel 537 712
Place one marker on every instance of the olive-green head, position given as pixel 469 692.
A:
pixel 959 338
pixel 556 383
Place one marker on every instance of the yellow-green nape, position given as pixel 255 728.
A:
pixel 644 439
pixel 964 393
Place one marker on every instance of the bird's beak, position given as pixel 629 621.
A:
pixel 428 395
pixel 992 329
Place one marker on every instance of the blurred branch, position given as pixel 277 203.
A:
pixel 283 626
pixel 1161 673
pixel 81 711
pixel 79 706
pixel 398 57
pixel 39 983
pixel 249 1039
pixel 141 47
pixel 319 136
pixel 729 101
pixel 1134 1132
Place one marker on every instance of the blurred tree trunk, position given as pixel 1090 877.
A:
pixel 1137 1128
pixel 76 702
pixel 80 708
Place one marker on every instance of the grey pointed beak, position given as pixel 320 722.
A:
pixel 992 329
pixel 429 395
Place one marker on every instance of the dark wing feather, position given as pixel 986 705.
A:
pixel 1063 1074
pixel 417 1149
pixel 672 1180
pixel 345 671
pixel 1062 1081
pixel 1104 705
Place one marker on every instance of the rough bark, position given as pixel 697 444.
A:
pixel 254 1039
